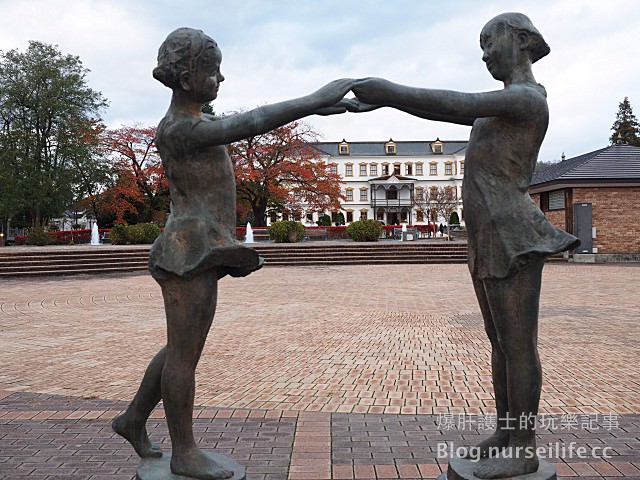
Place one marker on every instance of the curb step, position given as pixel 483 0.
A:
pixel 104 259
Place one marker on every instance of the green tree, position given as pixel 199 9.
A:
pixel 49 132
pixel 208 108
pixel 626 126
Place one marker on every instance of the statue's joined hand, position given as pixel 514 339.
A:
pixel 356 106
pixel 371 90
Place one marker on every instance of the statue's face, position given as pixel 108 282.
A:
pixel 205 80
pixel 500 52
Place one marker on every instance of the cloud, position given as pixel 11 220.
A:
pixel 273 51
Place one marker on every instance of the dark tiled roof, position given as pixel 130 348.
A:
pixel 616 162
pixel 403 148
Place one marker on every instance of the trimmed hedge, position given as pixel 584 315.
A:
pixel 365 230
pixel 286 231
pixel 134 234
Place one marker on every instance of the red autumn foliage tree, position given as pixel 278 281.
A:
pixel 280 171
pixel 140 192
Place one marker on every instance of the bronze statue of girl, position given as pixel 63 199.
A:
pixel 198 245
pixel 509 237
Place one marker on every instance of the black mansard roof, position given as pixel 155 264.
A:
pixel 613 164
pixel 403 148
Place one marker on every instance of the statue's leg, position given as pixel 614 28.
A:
pixel 514 304
pixel 190 305
pixel 132 423
pixel 500 438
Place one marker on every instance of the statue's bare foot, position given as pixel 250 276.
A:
pixel 491 446
pixel 136 435
pixel 503 467
pixel 197 464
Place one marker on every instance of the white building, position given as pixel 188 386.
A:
pixel 385 180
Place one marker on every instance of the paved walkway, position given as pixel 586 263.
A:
pixel 318 372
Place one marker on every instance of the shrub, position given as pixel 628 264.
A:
pixel 151 231
pixel 324 221
pixel 118 235
pixel 286 231
pixel 365 230
pixel 454 219
pixel 38 236
pixel 134 234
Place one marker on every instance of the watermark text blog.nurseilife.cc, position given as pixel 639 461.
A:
pixel 555 450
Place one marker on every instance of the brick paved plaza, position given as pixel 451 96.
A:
pixel 316 372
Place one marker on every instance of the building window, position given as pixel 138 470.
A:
pixel 419 193
pixel 556 200
pixel 373 169
pixel 349 195
pixel 348 170
pixel 408 169
pixel 349 216
pixel 334 168
pixel 433 193
pixel 449 193
pixel 461 168
pixel 419 216
pixel 310 217
pixel 343 147
pixel 433 168
pixel 385 169
pixel 392 193
pixel 436 147
pixel 363 169
pixel 396 169
pixel 448 168
pixel 363 215
pixel 418 169
pixel 390 147
pixel 363 194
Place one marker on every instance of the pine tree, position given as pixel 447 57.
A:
pixel 626 126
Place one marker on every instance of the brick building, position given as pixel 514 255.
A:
pixel 596 197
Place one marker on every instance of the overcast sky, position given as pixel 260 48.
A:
pixel 278 49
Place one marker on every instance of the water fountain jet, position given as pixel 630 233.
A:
pixel 95 235
pixel 249 234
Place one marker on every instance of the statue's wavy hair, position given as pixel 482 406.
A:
pixel 519 22
pixel 180 52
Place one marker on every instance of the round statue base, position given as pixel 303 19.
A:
pixel 462 469
pixel 160 469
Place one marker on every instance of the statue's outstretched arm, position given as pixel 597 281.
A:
pixel 228 129
pixel 444 105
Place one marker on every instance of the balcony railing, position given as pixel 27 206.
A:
pixel 386 202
